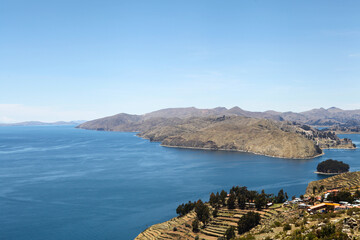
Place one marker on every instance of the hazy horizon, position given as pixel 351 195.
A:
pixel 82 120
pixel 66 60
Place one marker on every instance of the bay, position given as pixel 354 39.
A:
pixel 59 182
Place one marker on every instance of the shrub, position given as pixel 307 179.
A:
pixel 247 237
pixel 215 213
pixel 277 224
pixel 230 233
pixel 287 227
pixel 175 229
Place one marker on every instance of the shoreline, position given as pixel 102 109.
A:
pixel 328 174
pixel 230 150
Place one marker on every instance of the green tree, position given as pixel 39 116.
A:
pixel 213 200
pixel 231 201
pixel 314 189
pixel 195 225
pixel 230 233
pixel 357 194
pixel 260 201
pixel 281 197
pixel 180 210
pixel 241 202
pixel 248 221
pixel 341 196
pixel 223 196
pixel 215 213
pixel 202 212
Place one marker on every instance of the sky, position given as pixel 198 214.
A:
pixel 81 60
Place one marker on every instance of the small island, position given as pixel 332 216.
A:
pixel 332 167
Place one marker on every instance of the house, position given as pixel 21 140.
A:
pixel 325 206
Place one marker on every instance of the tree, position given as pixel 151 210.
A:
pixel 215 213
pixel 260 201
pixel 357 194
pixel 248 221
pixel 252 195
pixel 202 212
pixel 314 189
pixel 230 233
pixel 341 196
pixel 179 209
pixel 281 197
pixel 213 200
pixel 184 209
pixel 241 202
pixel 231 201
pixel 223 196
pixel 195 225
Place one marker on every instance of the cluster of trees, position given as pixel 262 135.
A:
pixel 241 197
pixel 342 196
pixel 184 209
pixel 332 166
pixel 201 209
pixel 248 221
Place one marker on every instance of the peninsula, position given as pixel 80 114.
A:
pixel 209 130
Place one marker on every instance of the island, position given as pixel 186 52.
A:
pixel 332 167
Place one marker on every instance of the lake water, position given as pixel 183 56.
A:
pixel 58 182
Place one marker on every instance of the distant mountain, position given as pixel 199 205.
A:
pixel 38 123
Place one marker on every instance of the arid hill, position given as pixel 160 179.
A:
pixel 233 133
pixel 260 136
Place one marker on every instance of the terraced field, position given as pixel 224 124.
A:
pixel 214 229
pixel 347 180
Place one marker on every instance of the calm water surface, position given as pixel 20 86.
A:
pixel 58 182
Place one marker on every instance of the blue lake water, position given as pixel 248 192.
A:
pixel 58 182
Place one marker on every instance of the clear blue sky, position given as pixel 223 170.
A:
pixel 72 59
